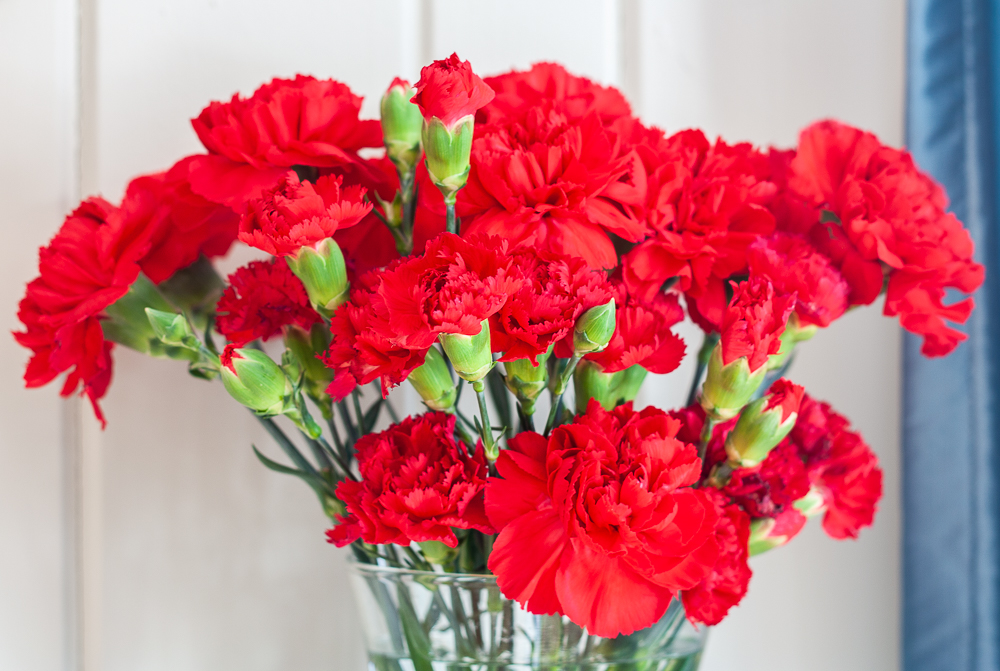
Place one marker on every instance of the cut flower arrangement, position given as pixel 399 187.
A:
pixel 513 239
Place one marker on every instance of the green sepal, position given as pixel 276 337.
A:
pixel 609 389
pixel 757 432
pixel 194 290
pixel 728 388
pixel 323 273
pixel 470 356
pixel 594 329
pixel 526 380
pixel 433 382
pixel 447 152
pixel 173 329
pixel 402 123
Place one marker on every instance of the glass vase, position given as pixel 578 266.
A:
pixel 426 621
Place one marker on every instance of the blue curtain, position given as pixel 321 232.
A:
pixel 951 470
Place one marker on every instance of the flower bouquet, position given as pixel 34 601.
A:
pixel 519 249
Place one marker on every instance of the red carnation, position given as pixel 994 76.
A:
pixel 726 584
pixel 556 291
pixel 642 335
pixel 841 467
pixel 262 298
pixel 598 523
pixel 542 178
pixel 706 204
pixel 417 484
pixel 253 141
pixel 451 288
pixel 362 348
pixel 87 266
pixel 517 91
pixel 890 216
pixel 449 90
pixel 754 321
pixel 795 267
pixel 296 214
pixel 181 224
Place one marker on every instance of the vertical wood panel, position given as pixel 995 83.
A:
pixel 211 561
pixel 38 135
pixel 760 71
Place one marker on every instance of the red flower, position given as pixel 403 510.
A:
pixel 841 467
pixel 362 349
pixel 795 267
pixel 517 91
pixel 262 298
pixel 543 178
pixel 296 214
pixel 706 204
pixel 642 335
pixel 556 291
pixel 598 523
pixel 417 484
pixel 449 90
pixel 451 288
pixel 181 224
pixel 890 216
pixel 754 321
pixel 86 267
pixel 726 584
pixel 252 142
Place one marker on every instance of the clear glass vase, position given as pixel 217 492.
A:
pixel 425 621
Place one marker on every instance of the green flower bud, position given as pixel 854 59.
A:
pixel 401 126
pixel 728 388
pixel 470 356
pixel 763 424
pixel 447 152
pixel 433 382
pixel 594 329
pixel 437 552
pixel 194 290
pixel 526 380
pixel 253 379
pixel 172 329
pixel 128 324
pixel 321 269
pixel 608 389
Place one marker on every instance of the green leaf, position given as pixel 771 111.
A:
pixel 417 641
pixel 316 483
pixel 371 415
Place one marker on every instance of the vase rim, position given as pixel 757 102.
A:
pixel 375 568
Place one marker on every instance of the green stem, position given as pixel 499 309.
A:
pixel 452 220
pixel 287 446
pixel 704 354
pixel 345 416
pixel 492 451
pixel 356 397
pixel 706 435
pixel 558 392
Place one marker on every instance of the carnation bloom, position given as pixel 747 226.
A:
pixel 262 298
pixel 253 141
pixel 642 335
pixel 793 266
pixel 543 176
pixel 451 288
pixel 450 91
pixel 841 468
pixel 555 292
pixel 86 267
pixel 754 321
pixel 362 348
pixel 598 522
pixel 295 214
pixel 517 91
pixel 889 216
pixel 181 224
pixel 705 204
pixel 727 582
pixel 417 484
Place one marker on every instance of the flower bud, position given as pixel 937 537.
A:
pixel 128 324
pixel 594 329
pixel 447 151
pixel 470 356
pixel 527 380
pixel 253 379
pixel 608 389
pixel 771 532
pixel 763 424
pixel 728 388
pixel 433 382
pixel 401 126
pixel 323 273
pixel 172 329
pixel 304 348
pixel 437 552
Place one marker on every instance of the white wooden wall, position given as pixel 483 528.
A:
pixel 160 544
